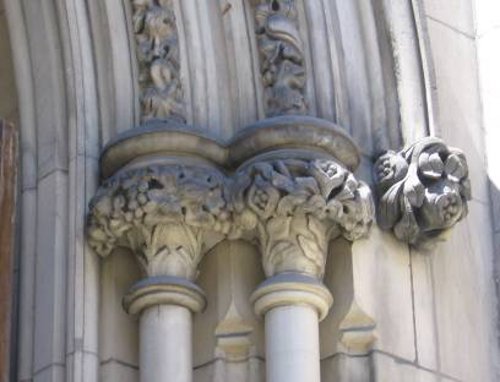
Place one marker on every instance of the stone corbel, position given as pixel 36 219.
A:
pixel 423 190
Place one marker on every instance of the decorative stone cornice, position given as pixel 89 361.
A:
pixel 423 190
pixel 281 54
pixel 158 58
pixel 297 206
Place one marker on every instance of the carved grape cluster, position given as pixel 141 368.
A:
pixel 423 189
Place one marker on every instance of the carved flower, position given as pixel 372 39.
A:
pixel 263 197
pixel 390 168
pixel 329 175
pixel 431 165
pixel 455 166
pixel 443 206
pixel 450 204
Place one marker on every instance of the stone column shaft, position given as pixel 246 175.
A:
pixel 292 344
pixel 166 344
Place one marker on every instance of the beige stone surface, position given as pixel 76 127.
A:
pixel 459 108
pixel 458 14
pixel 228 275
pixel 113 371
pixel 118 331
pixel 464 298
pixel 389 368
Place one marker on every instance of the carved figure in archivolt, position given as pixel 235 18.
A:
pixel 158 57
pixel 297 206
pixel 423 190
pixel 281 57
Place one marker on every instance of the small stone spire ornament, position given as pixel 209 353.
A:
pixel 423 190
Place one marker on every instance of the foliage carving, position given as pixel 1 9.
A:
pixel 158 56
pixel 297 206
pixel 281 54
pixel 423 190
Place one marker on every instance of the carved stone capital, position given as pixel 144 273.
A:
pixel 423 190
pixel 163 197
pixel 160 212
pixel 297 206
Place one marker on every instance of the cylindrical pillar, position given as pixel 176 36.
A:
pixel 293 305
pixel 165 344
pixel 166 305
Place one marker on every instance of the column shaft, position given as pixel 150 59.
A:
pixel 292 344
pixel 166 344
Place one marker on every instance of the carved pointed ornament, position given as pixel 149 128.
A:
pixel 423 190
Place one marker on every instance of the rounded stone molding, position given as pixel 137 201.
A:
pixel 288 289
pixel 164 290
pixel 294 132
pixel 160 137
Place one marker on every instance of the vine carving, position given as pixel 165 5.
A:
pixel 281 56
pixel 158 56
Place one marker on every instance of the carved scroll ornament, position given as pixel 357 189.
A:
pixel 423 190
pixel 158 56
pixel 281 57
pixel 159 212
pixel 297 206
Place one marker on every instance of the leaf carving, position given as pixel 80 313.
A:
pixel 430 198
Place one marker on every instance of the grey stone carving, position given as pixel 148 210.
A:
pixel 297 206
pixel 281 57
pixel 160 212
pixel 158 57
pixel 423 190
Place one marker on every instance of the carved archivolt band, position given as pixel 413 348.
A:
pixel 158 58
pixel 281 54
pixel 423 190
